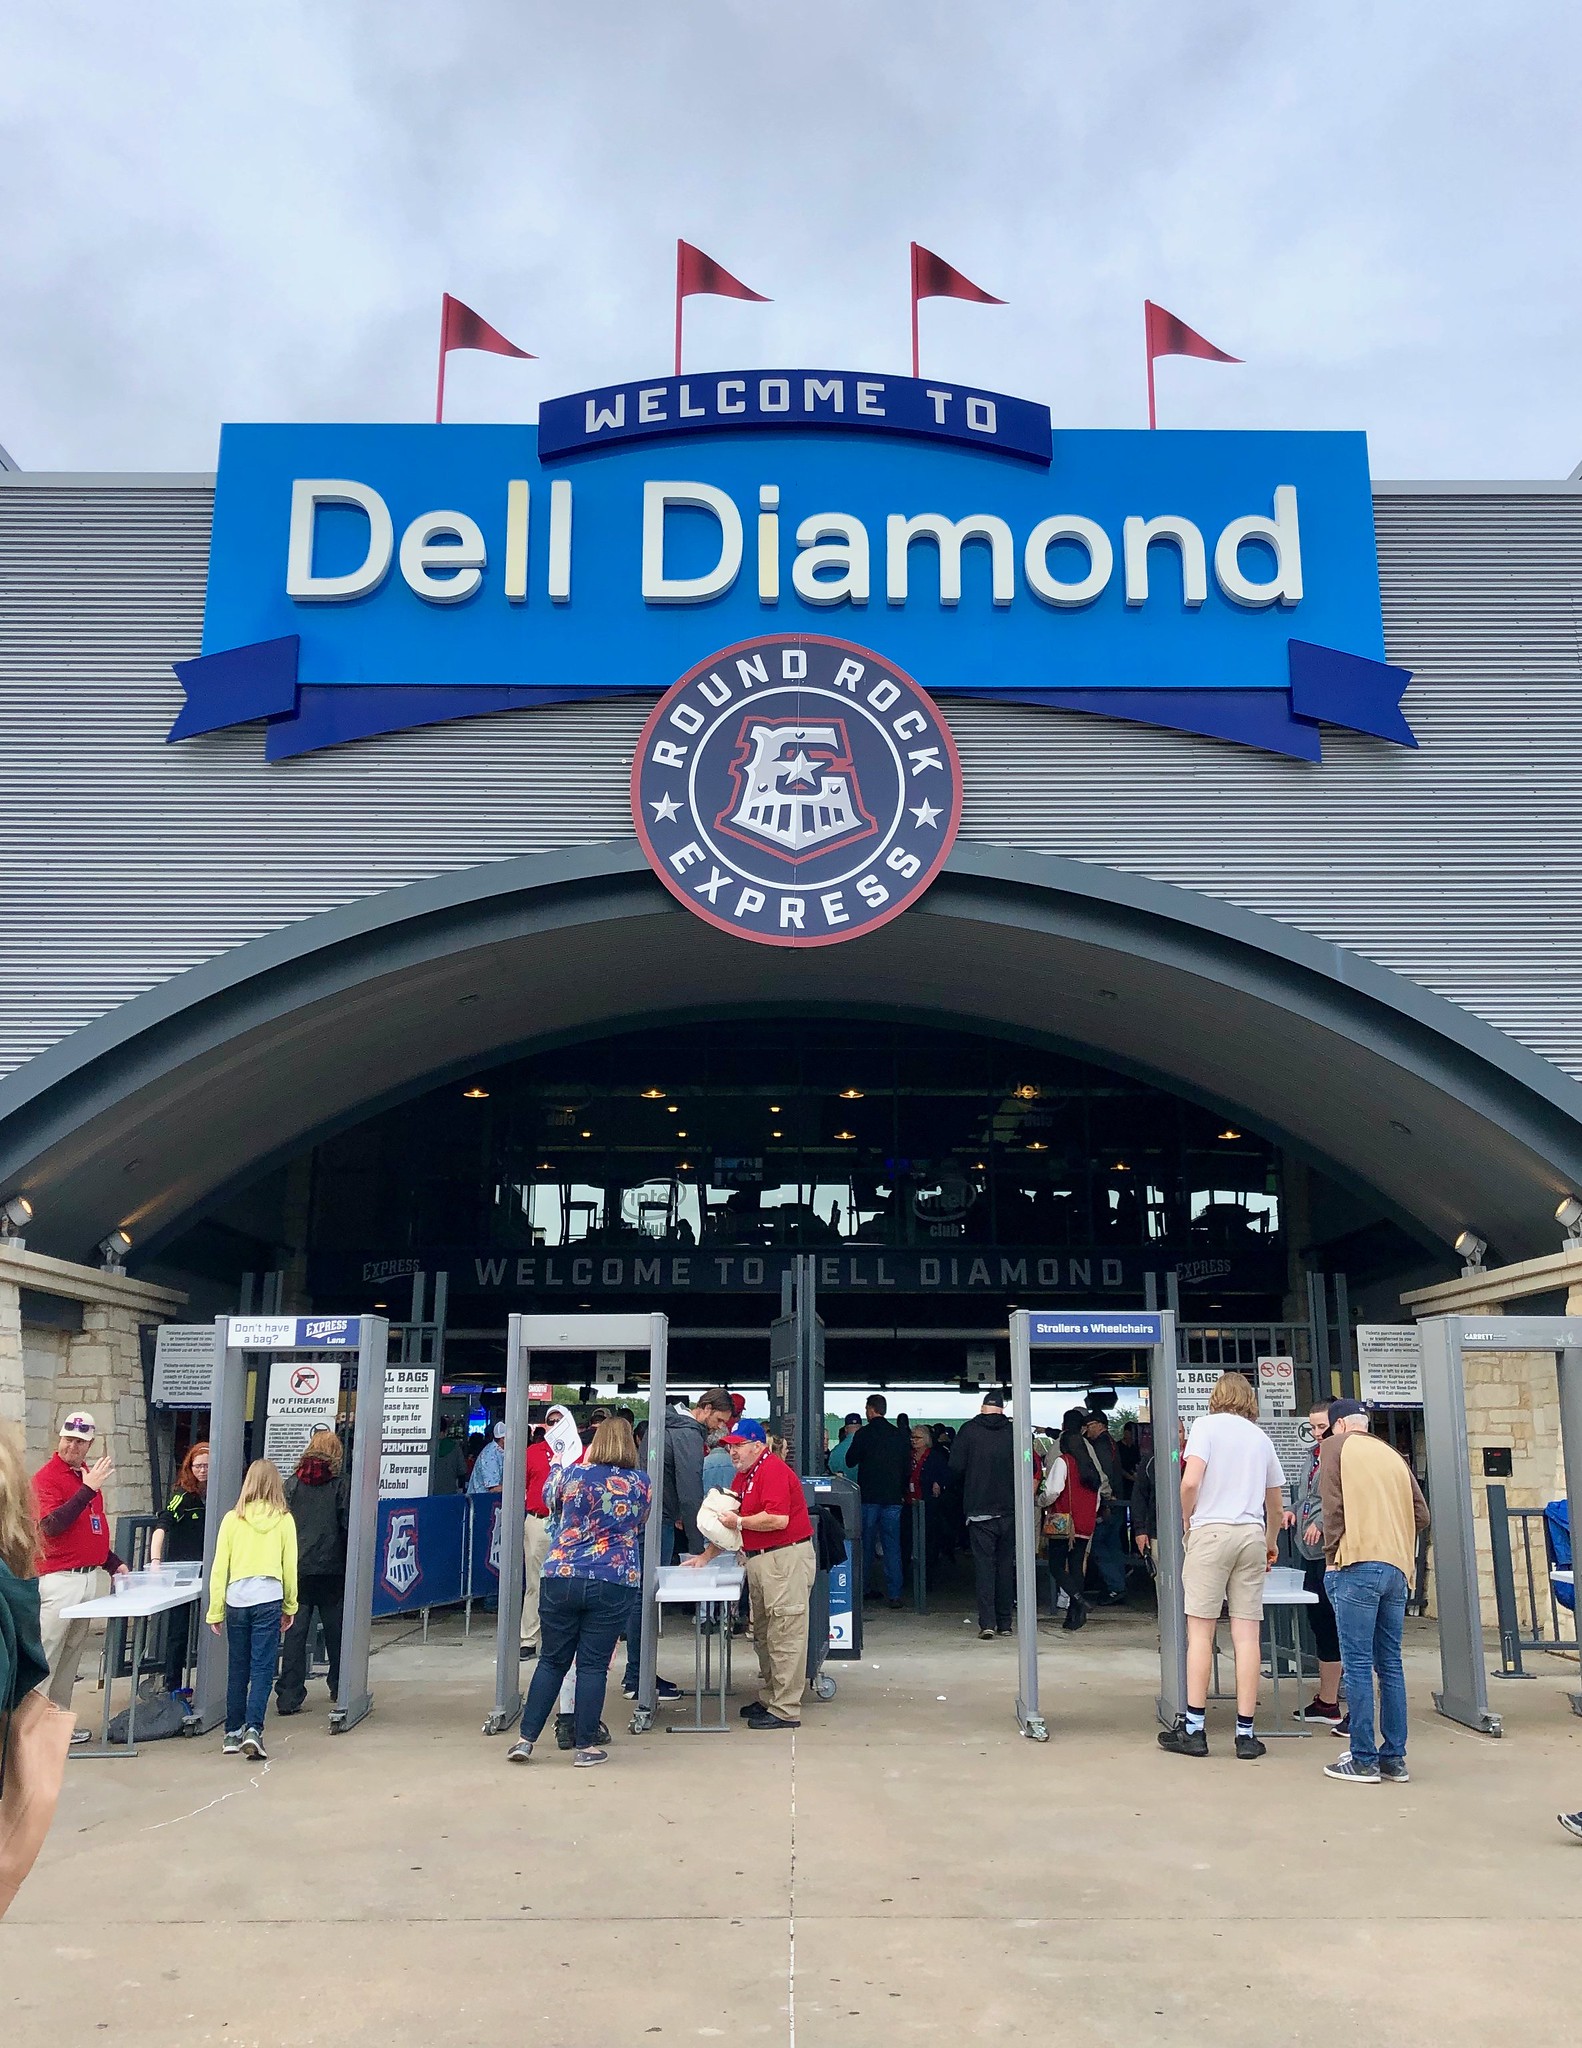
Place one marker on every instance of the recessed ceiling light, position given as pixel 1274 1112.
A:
pixel 587 1134
pixel 845 1135
pixel 1229 1133
pixel 672 1109
pixel 774 1109
pixel 1038 1145
pixel 543 1166
pixel 1026 1092
pixel 777 1134
pixel 653 1094
pixel 1120 1166
pixel 475 1094
pixel 851 1095
pixel 681 1134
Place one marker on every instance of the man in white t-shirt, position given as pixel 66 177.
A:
pixel 1231 1506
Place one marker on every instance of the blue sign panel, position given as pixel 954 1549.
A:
pixel 838 399
pixel 1086 1330
pixel 366 579
pixel 483 1545
pixel 328 1333
pixel 419 1554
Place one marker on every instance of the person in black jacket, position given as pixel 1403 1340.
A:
pixel 984 1458
pixel 317 1497
pixel 178 1539
pixel 880 1460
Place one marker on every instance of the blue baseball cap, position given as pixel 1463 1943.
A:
pixel 747 1432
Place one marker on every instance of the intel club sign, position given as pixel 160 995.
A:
pixel 367 579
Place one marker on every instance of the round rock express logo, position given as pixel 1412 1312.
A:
pixel 796 791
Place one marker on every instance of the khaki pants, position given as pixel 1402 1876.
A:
pixel 779 1584
pixel 63 1640
pixel 535 1548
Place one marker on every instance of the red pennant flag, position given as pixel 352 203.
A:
pixel 1168 336
pixel 461 327
pixel 934 278
pixel 699 276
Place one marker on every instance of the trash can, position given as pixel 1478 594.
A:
pixel 835 1609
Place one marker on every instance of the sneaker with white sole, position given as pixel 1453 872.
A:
pixel 253 1745
pixel 1571 1822
pixel 520 1752
pixel 1323 1712
pixel 1350 1772
pixel 585 1759
pixel 232 1745
pixel 1392 1769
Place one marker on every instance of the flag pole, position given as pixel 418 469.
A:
pixel 439 393
pixel 678 306
pixel 1148 350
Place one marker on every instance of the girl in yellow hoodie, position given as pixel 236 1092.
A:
pixel 253 1592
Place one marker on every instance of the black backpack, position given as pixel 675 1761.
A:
pixel 829 1537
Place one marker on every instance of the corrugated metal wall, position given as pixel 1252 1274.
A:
pixel 122 861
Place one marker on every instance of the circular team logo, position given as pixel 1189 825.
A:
pixel 796 791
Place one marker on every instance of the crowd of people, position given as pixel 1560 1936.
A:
pixel 280 1553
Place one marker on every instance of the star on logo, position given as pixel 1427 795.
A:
pixel 665 809
pixel 799 768
pixel 925 813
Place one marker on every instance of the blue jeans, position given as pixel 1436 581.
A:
pixel 252 1643
pixel 881 1528
pixel 579 1621
pixel 1370 1611
pixel 634 1613
pixel 1109 1555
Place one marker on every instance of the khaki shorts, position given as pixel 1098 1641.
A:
pixel 1225 1565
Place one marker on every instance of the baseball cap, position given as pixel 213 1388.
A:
pixel 1339 1409
pixel 991 1397
pixel 747 1432
pixel 80 1423
pixel 738 1403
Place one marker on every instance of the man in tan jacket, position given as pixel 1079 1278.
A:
pixel 1373 1511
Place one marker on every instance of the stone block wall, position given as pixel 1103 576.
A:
pixel 1513 1401
pixel 100 1370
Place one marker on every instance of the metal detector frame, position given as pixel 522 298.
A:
pixel 1153 1331
pixel 1464 1696
pixel 366 1340
pixel 525 1335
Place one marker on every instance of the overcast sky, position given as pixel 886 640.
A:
pixel 250 211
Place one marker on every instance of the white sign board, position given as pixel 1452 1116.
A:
pixel 261 1333
pixel 403 1475
pixel 409 1404
pixel 184 1365
pixel 1390 1364
pixel 304 1394
pixel 1277 1386
pixel 1194 1384
pixel 1292 1437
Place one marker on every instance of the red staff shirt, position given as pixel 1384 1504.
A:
pixel 538 1463
pixel 72 1520
pixel 772 1488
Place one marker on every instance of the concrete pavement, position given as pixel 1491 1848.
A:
pixel 906 1868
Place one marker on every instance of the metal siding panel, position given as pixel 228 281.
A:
pixel 125 862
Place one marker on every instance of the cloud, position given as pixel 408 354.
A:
pixel 252 213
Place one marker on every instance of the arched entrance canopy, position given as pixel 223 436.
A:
pixel 143 1117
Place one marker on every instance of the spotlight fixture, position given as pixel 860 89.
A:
pixel 16 1212
pixel 475 1094
pixel 851 1095
pixel 672 1109
pixel 113 1250
pixel 1569 1218
pixel 1471 1248
pixel 1038 1145
pixel 653 1094
pixel 1228 1133
pixel 845 1137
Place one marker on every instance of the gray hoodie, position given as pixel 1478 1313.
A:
pixel 686 1441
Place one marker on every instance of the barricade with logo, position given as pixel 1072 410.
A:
pixel 421 1554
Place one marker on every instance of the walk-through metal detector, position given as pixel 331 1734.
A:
pixel 1153 1331
pixel 353 1344
pixel 526 1335
pixel 796 1369
pixel 1463 1664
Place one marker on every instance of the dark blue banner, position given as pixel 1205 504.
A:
pixel 843 399
pixel 420 1553
pixel 483 1546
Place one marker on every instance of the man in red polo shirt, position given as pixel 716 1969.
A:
pixel 777 1537
pixel 74 1527
pixel 535 1537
